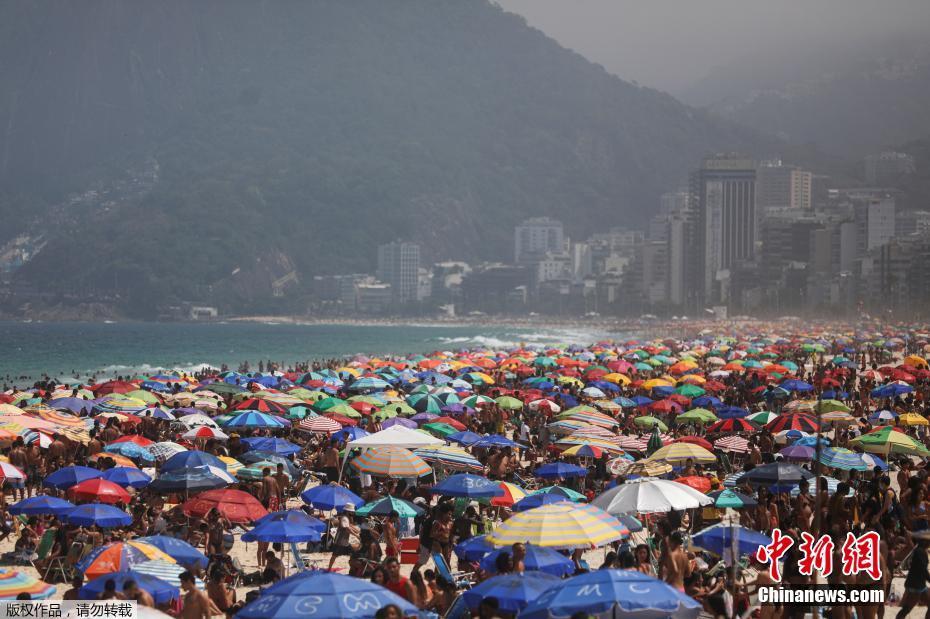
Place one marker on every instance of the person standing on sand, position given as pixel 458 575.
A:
pixel 196 603
pixel 675 565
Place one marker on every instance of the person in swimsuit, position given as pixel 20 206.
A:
pixel 915 584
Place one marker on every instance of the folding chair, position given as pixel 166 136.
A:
pixel 64 564
pixel 528 483
pixel 461 580
pixel 46 542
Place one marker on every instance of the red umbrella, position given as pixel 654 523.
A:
pixel 792 421
pixel 665 406
pixel 701 484
pixel 236 506
pixel 732 426
pixel 141 441
pixel 458 425
pixel 364 408
pixel 695 440
pixel 261 405
pixel 113 386
pixel 341 419
pixel 98 490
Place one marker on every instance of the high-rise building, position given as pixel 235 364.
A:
pixel 875 223
pixel 780 186
pixel 723 195
pixel 399 266
pixel 536 237
pixel 887 166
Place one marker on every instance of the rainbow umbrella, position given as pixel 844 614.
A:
pixel 453 458
pixel 391 462
pixel 887 440
pixel 119 556
pixel 682 452
pixel 843 459
pixel 14 582
pixel 560 525
pixel 512 494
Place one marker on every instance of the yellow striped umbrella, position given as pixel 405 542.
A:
pixel 232 465
pixel 643 468
pixel 681 452
pixel 512 494
pixel 912 419
pixel 59 418
pixel 391 462
pixel 573 441
pixel 9 409
pixel 560 525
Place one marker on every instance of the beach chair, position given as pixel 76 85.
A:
pixel 63 565
pixel 46 542
pixel 461 580
pixel 527 483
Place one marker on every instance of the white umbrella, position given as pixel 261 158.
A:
pixel 650 496
pixel 197 421
pixel 205 432
pixel 164 450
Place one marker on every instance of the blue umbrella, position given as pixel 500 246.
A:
pixel 891 391
pixel 160 590
pixel 705 401
pixel 513 591
pixel 731 412
pixel 842 459
pixel 73 405
pixel 188 480
pixel 464 438
pixel 274 445
pixel 127 476
pixel 180 551
pixel 350 433
pixel 41 504
pixel 254 419
pixel 810 441
pixel 796 385
pixel 642 400
pixel 538 559
pixel 537 500
pixel 882 415
pixel 614 593
pixel 323 595
pixel 251 457
pixel 130 450
pixel 496 440
pixel 630 522
pixel 872 461
pixel 561 470
pixel 97 514
pixel 70 476
pixel 626 402
pixel 284 531
pixel 188 459
pixel 399 421
pixel 331 496
pixel 474 548
pixel 294 516
pixel 722 538
pixel 468 485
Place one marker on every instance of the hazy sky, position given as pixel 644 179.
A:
pixel 669 44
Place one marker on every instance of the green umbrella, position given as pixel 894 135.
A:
pixel 441 429
pixel 326 404
pixel 829 406
pixel 655 441
pixel 762 417
pixel 509 403
pixel 368 399
pixel 696 415
pixel 648 421
pixel 387 505
pixel 731 498
pixel 690 391
pixel 570 494
pixel 298 412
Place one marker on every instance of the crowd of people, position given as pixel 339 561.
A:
pixel 611 388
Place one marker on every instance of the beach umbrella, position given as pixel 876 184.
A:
pixel 682 452
pixel 179 550
pixel 69 476
pixel 612 593
pixel 882 416
pixel 762 418
pixel 331 496
pixel 912 419
pixel 701 484
pixel 164 450
pixel 560 525
pixel 843 459
pixel 203 432
pixel 131 450
pixel 559 470
pixel 724 539
pixel 474 548
pixel 798 452
pixel 732 412
pixel 450 458
pixel 696 415
pixel 41 504
pixel 160 590
pixel 118 556
pixel 731 426
pixel 390 462
pixel 496 440
pixel 587 450
pixel 198 420
pixel 193 458
pixel 872 461
pixel 192 479
pixel 398 421
pixel 648 421
pixel 323 595
pixel 649 496
pixel 568 493
pixel 731 498
pixel 349 433
pixel 14 583
pixel 511 494
pixel 279 446
pixel 282 531
pixel 735 444
pixel 98 490
pixel 441 430
pixel 127 477
pixel 887 440
pixel 512 591
pixel 793 421
pixel 236 506
pixel 323 425
pixel 779 474
pixel 261 405
pixel 256 419
pixel 8 471
pixel 642 468
pixel 294 516
pixel 536 500
pixel 384 507
pixel 830 406
pixel 467 485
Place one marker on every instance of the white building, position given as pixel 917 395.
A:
pixel 536 237
pixel 399 266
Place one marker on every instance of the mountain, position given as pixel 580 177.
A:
pixel 848 98
pixel 154 152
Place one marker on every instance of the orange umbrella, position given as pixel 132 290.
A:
pixel 701 484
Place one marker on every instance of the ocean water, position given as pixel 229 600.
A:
pixel 63 350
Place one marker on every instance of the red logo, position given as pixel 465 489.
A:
pixel 859 554
pixel 773 552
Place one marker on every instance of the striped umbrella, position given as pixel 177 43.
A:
pixel 167 571
pixel 60 418
pixel 793 421
pixel 164 450
pixel 732 426
pixel 560 525
pixel 843 459
pixel 320 424
pixel 8 471
pixel 512 494
pixel 633 443
pixel 682 452
pixel 391 462
pixel 14 582
pixel 643 468
pixel 453 458
pixel 590 441
pixel 736 444
pixel 232 465
pixel 887 440
pixel 118 556
pixel 256 419
pixel 592 417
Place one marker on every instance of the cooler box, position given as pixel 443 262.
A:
pixel 409 550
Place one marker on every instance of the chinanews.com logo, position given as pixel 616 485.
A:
pixel 858 555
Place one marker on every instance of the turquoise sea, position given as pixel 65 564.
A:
pixel 29 349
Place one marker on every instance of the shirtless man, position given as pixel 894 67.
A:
pixel 802 506
pixel 284 483
pixel 18 459
pixel 675 565
pixel 132 591
pixel 392 546
pixel 331 462
pixel 269 488
pixel 196 603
